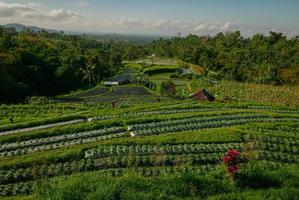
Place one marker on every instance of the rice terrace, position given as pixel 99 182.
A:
pixel 206 113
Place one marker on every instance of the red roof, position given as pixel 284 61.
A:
pixel 202 95
pixel 199 96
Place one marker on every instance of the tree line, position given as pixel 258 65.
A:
pixel 266 59
pixel 46 64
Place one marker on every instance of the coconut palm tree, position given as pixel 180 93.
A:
pixel 89 73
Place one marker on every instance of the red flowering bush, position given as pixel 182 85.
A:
pixel 232 169
pixel 230 160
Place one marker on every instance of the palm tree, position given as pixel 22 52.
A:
pixel 139 76
pixel 89 73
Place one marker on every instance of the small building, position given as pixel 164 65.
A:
pixel 120 79
pixel 203 95
pixel 185 71
pixel 111 83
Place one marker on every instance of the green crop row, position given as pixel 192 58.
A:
pixel 203 125
pixel 279 157
pixel 113 150
pixel 65 168
pixel 43 122
pixel 57 145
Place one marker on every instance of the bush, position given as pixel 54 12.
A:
pixel 168 89
pixel 36 100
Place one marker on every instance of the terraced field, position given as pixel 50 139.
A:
pixel 169 139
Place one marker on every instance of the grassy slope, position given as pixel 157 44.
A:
pixel 275 95
pixel 271 183
pixel 212 185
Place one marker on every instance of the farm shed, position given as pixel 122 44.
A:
pixel 203 95
pixel 119 79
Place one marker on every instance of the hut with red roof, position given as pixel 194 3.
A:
pixel 203 95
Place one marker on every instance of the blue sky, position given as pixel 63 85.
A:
pixel 156 16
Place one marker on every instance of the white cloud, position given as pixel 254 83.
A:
pixel 129 23
pixel 213 27
pixel 170 26
pixel 226 26
pixel 61 14
pixel 34 12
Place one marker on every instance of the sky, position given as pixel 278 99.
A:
pixel 156 17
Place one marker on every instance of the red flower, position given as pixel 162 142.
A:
pixel 230 160
pixel 227 159
pixel 232 169
pixel 233 153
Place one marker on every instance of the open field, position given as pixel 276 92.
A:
pixel 270 94
pixel 149 100
pixel 150 149
pixel 182 141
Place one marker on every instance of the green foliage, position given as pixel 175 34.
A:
pixel 72 162
pixel 38 100
pixel 43 64
pixel 168 89
pixel 157 69
pixel 254 176
pixel 132 186
pixel 270 194
pixel 260 59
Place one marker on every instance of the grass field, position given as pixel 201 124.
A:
pixel 144 149
pixel 176 153
pixel 270 94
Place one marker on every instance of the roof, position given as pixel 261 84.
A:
pixel 203 95
pixel 121 78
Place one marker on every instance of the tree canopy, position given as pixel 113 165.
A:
pixel 42 63
pixel 49 64
pixel 261 59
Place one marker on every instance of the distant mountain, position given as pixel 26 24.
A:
pixel 21 27
pixel 139 39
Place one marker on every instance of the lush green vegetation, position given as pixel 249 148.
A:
pixel 69 62
pixel 260 59
pixel 48 64
pixel 173 150
pixel 187 84
pixel 147 139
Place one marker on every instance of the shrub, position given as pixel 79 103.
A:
pixel 168 89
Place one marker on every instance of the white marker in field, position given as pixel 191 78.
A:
pixel 132 134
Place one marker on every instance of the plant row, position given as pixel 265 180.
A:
pixel 157 112
pixel 202 125
pixel 195 109
pixel 32 109
pixel 66 168
pixel 279 157
pixel 41 124
pixel 293 149
pixel 26 188
pixel 194 120
pixel 16 189
pixel 117 150
pixel 58 145
pixel 271 109
pixel 277 140
pixel 59 138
